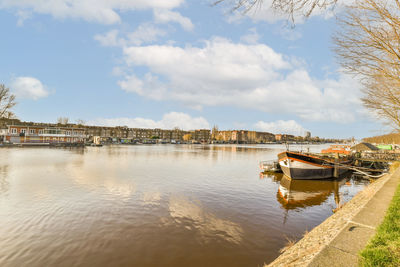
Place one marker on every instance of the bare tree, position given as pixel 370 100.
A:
pixel 368 46
pixel 214 132
pixel 383 97
pixel 62 120
pixel 7 102
pixel 80 122
pixel 289 7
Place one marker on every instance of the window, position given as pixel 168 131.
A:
pixel 40 131
pixel 13 130
pixel 32 131
pixel 23 130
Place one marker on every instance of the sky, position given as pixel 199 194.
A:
pixel 178 63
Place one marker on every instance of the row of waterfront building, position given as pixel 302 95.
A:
pixel 16 131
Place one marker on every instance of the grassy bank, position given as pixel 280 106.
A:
pixel 384 248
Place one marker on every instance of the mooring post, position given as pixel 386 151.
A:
pixel 336 166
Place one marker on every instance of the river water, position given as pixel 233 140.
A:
pixel 156 205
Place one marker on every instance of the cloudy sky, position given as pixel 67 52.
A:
pixel 184 63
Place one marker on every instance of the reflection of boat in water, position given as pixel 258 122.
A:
pixel 294 194
pixel 305 166
pixel 276 177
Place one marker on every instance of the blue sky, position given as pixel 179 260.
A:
pixel 184 63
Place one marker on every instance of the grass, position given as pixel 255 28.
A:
pixel 290 243
pixel 384 248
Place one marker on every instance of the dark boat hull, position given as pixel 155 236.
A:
pixel 300 166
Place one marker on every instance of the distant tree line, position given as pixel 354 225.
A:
pixel 392 138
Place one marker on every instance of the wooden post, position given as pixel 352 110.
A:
pixel 336 166
pixel 336 195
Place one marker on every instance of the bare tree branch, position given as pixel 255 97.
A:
pixel 62 120
pixel 367 45
pixel 289 7
pixel 7 102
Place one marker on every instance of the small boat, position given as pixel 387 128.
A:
pixel 340 149
pixel 302 166
pixel 270 166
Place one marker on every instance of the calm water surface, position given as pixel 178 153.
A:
pixel 161 205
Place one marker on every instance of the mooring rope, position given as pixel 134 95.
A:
pixel 357 169
pixel 367 174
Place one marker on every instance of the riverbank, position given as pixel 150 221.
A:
pixel 383 248
pixel 338 240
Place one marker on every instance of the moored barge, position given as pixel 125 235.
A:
pixel 298 166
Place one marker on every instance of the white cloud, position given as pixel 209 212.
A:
pixel 168 121
pixel 110 39
pixel 218 61
pixel 28 87
pixel 280 126
pixel 22 16
pixel 223 73
pixel 252 37
pixel 118 71
pixel 149 85
pixel 145 33
pixel 165 16
pixel 101 11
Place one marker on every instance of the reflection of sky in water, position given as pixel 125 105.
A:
pixel 4 184
pixel 207 225
pixel 151 198
pixel 105 178
pixel 140 205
